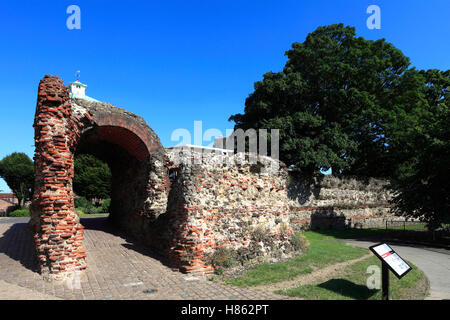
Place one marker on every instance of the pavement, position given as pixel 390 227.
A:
pixel 435 263
pixel 14 292
pixel 118 269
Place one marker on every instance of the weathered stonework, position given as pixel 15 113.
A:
pixel 218 202
pixel 65 127
pixel 329 202
pixel 212 202
pixel 221 202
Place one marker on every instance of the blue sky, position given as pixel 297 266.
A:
pixel 175 62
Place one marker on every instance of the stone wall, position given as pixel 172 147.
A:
pixel 213 201
pixel 65 127
pixel 224 202
pixel 58 233
pixel 329 202
pixel 218 202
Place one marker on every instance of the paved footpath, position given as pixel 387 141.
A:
pixel 435 263
pixel 118 268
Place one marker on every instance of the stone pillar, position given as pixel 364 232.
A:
pixel 59 234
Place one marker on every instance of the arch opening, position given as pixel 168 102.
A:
pixel 127 158
pixel 65 128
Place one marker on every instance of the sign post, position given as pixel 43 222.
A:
pixel 390 260
pixel 384 281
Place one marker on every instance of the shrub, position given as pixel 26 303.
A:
pixel 82 202
pixel 261 234
pixel 93 210
pixel 222 257
pixel 20 213
pixel 299 242
pixel 84 205
pixel 219 271
pixel 105 205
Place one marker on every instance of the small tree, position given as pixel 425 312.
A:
pixel 92 178
pixel 18 171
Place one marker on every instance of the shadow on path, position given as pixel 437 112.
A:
pixel 17 243
pixel 103 224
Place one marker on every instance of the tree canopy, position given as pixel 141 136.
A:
pixel 17 170
pixel 422 183
pixel 358 107
pixel 337 103
pixel 92 178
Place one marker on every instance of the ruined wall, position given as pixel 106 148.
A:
pixel 214 201
pixel 65 127
pixel 225 202
pixel 328 202
pixel 59 234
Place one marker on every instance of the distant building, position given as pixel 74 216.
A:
pixel 202 149
pixel 7 202
pixel 78 91
pixel 221 142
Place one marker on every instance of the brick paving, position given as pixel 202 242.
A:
pixel 118 268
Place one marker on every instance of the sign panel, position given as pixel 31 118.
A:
pixel 395 263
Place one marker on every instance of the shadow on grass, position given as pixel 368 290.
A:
pixel 349 289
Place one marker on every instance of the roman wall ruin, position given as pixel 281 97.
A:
pixel 221 201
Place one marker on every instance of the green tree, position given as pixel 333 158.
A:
pixel 336 102
pixel 17 170
pixel 92 178
pixel 422 184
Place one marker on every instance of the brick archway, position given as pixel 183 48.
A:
pixel 65 127
pixel 220 202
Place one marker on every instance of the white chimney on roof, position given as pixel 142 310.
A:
pixel 78 90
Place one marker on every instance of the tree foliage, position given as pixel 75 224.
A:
pixel 356 106
pixel 17 170
pixel 334 102
pixel 92 178
pixel 422 184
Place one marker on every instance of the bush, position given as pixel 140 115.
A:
pixel 93 210
pixel 299 242
pixel 25 212
pixel 261 234
pixel 105 205
pixel 82 202
pixel 222 257
pixel 84 205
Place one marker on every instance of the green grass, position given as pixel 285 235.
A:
pixel 323 250
pixel 361 233
pixel 352 285
pixel 85 215
pixel 82 214
pixel 352 233
pixel 418 226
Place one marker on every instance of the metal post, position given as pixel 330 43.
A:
pixel 385 281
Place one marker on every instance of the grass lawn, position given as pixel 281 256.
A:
pixel 352 285
pixel 322 251
pixel 85 215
